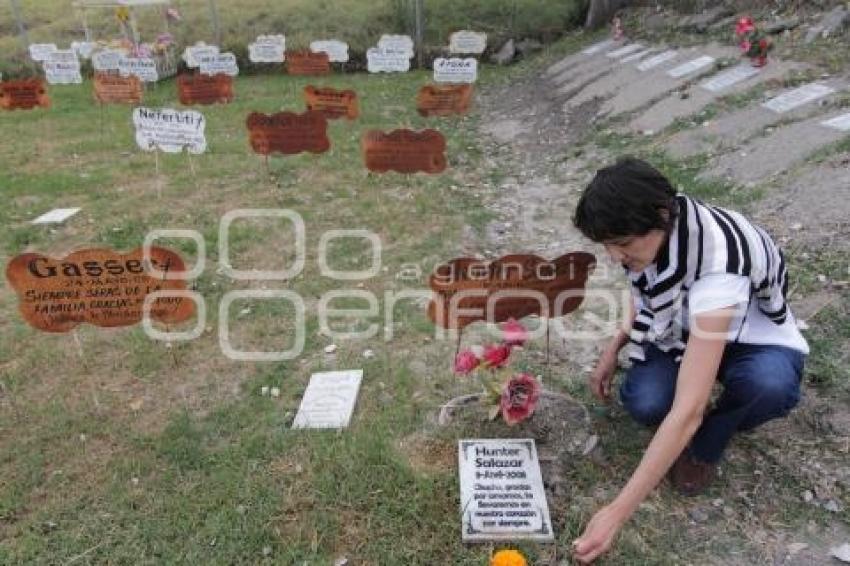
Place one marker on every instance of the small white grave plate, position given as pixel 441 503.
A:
pixel 329 399
pixel 220 63
pixel 170 130
pixel 200 49
pixel 501 491
pixel 106 60
pixel 455 70
pixel 467 42
pixel 397 43
pixel 597 47
pixel 691 66
pixel 56 215
pixel 797 97
pixel 337 50
pixel 657 60
pixel 142 67
pixel 841 123
pixel 384 60
pixel 635 56
pixel 623 51
pixel 268 49
pixel 722 81
pixel 84 48
pixel 62 67
pixel 40 51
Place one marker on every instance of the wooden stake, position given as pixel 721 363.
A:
pixel 158 180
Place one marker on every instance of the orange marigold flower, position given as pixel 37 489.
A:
pixel 508 558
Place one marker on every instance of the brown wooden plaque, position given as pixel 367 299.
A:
pixel 288 133
pixel 307 63
pixel 23 94
pixel 332 103
pixel 110 88
pixel 405 151
pixel 559 284
pixel 443 100
pixel 98 286
pixel 204 89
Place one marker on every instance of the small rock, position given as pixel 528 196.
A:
pixel 505 55
pixel 267 551
pixel 134 481
pixel 808 496
pixel 264 390
pixel 244 311
pixel 590 444
pixel 782 25
pixel 796 547
pixel 275 392
pixel 717 502
pixel 822 278
pixel 528 46
pixel 796 226
pixel 368 354
pixel 831 24
pixel 330 348
pixel 241 509
pixel 832 506
pixel 802 325
pixel 698 515
pixel 841 552
pixel 341 561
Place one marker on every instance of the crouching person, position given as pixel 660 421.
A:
pixel 709 304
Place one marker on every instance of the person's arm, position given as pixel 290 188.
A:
pixel 697 374
pixel 603 375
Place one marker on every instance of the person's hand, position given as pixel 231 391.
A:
pixel 598 536
pixel 603 376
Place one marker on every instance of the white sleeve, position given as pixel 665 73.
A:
pixel 717 291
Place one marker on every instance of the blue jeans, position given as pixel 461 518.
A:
pixel 760 383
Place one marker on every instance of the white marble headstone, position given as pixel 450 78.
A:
pixel 623 51
pixel 501 491
pixel 268 49
pixel 56 216
pixel 841 123
pixel 722 81
pixel 691 66
pixel 467 42
pixel 797 97
pixel 329 399
pixel 597 47
pixel 657 60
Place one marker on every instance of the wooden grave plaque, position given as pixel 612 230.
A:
pixel 111 88
pixel 204 89
pixel 99 286
pixel 559 284
pixel 307 63
pixel 288 133
pixel 332 103
pixel 444 100
pixel 23 94
pixel 404 151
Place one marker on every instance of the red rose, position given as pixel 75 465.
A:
pixel 514 333
pixel 466 361
pixel 744 26
pixel 497 356
pixel 519 398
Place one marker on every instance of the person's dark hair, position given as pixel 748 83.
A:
pixel 629 198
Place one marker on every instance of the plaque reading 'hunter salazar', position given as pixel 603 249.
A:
pixel 204 89
pixel 443 100
pixel 288 133
pixel 114 89
pixel 307 63
pixel 514 286
pixel 332 103
pixel 501 491
pixel 98 286
pixel 405 151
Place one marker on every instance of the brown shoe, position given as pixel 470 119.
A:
pixel 690 476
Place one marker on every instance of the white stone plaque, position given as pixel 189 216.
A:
pixel 142 67
pixel 268 49
pixel 62 67
pixel 841 123
pixel 84 48
pixel 467 42
pixel 220 63
pixel 501 491
pixel 397 43
pixel 329 400
pixel 337 50
pixel 384 60
pixel 106 60
pixel 597 47
pixel 635 56
pixel 691 66
pixel 623 51
pixel 797 97
pixel 455 70
pixel 722 81
pixel 40 51
pixel 657 60
pixel 170 130
pixel 200 49
pixel 56 215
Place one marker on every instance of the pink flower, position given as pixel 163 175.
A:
pixel 745 46
pixel 744 26
pixel 519 398
pixel 496 356
pixel 514 333
pixel 466 361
